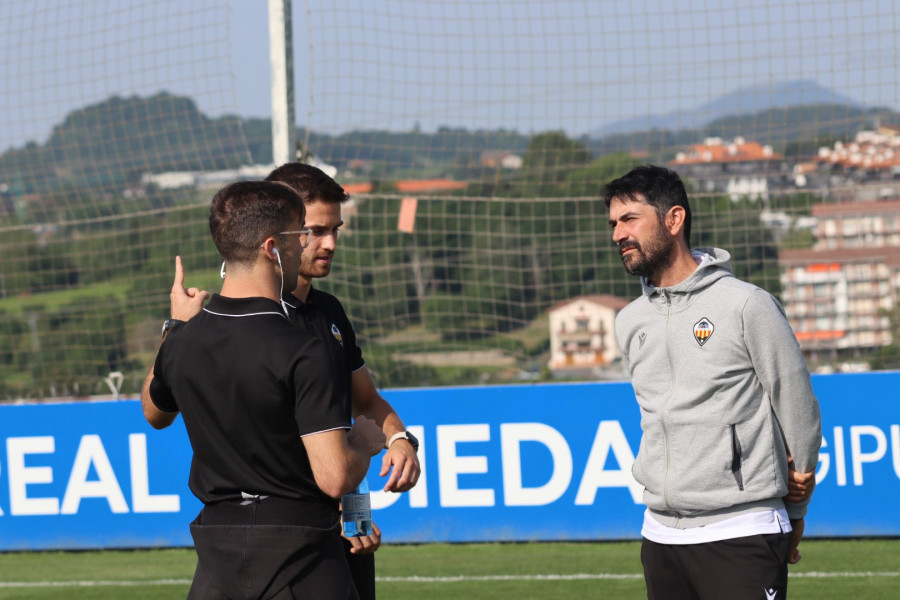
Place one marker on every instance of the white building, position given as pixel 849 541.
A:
pixel 218 179
pixel 582 331
pixel 740 168
pixel 840 299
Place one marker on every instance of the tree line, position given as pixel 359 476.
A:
pixel 86 261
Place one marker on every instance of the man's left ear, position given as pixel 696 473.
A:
pixel 675 219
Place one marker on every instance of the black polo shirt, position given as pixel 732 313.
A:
pixel 323 315
pixel 248 384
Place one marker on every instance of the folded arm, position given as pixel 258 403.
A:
pixel 400 459
pixel 339 458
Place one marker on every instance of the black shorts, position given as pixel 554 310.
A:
pixel 745 568
pixel 362 568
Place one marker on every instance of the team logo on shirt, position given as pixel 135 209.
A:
pixel 703 330
pixel 337 334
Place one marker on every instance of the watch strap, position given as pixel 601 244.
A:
pixel 395 437
pixel 169 324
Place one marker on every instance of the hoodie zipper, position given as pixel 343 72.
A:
pixel 662 412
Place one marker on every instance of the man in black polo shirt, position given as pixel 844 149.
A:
pixel 322 314
pixel 273 446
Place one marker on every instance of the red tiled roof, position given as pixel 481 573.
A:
pixel 888 254
pixel 413 186
pixel 358 188
pixel 868 207
pixel 820 335
pixel 719 153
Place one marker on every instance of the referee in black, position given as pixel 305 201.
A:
pixel 323 315
pixel 273 446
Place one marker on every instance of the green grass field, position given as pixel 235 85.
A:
pixel 829 569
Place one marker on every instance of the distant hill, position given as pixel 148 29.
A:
pixel 113 142
pixel 119 138
pixel 795 130
pixel 744 101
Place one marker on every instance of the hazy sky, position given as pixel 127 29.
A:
pixel 529 65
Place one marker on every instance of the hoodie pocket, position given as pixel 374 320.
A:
pixel 736 458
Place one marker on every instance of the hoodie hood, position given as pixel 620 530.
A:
pixel 712 264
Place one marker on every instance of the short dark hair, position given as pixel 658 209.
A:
pixel 659 187
pixel 311 183
pixel 245 213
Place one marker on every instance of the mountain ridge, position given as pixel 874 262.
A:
pixel 743 101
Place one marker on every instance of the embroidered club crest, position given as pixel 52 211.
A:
pixel 703 329
pixel 337 334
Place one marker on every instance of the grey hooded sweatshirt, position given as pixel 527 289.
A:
pixel 724 395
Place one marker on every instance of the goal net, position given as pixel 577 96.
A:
pixel 475 138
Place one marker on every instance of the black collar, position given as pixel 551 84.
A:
pixel 295 302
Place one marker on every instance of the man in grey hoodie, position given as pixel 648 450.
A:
pixel 731 428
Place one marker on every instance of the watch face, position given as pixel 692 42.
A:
pixel 413 440
pixel 169 324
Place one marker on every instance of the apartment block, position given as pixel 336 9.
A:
pixel 839 299
pixel 740 168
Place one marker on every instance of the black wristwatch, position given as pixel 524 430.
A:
pixel 406 436
pixel 169 324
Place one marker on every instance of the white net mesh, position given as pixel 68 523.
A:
pixel 501 119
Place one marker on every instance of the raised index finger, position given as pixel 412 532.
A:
pixel 179 275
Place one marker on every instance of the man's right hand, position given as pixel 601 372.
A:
pixel 797 527
pixel 800 485
pixel 185 303
pixel 366 436
pixel 364 544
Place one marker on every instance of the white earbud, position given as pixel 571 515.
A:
pixel 281 292
pixel 278 256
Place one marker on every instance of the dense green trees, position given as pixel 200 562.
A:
pixel 86 258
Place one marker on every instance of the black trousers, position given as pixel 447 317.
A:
pixel 362 568
pixel 272 549
pixel 747 568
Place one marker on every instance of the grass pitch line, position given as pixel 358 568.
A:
pixel 551 577
pixel 832 574
pixel 593 576
pixel 435 579
pixel 113 583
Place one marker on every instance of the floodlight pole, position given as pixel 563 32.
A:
pixel 281 57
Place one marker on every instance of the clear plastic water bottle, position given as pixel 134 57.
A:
pixel 357 509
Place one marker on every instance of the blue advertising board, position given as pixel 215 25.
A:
pixel 513 463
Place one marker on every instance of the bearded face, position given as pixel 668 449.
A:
pixel 650 257
pixel 640 235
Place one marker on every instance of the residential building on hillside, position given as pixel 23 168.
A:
pixel 871 156
pixel 868 224
pixel 500 158
pixel 738 168
pixel 839 294
pixel 840 299
pixel 582 331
